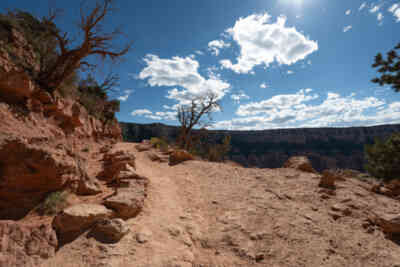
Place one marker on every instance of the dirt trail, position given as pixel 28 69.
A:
pixel 213 214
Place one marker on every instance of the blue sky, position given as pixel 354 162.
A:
pixel 273 64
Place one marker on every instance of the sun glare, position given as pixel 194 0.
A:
pixel 293 2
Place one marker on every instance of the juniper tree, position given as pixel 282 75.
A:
pixel 389 69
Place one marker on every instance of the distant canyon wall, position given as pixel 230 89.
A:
pixel 325 147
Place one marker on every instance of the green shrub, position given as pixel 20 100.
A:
pixel 159 143
pixel 383 158
pixel 54 202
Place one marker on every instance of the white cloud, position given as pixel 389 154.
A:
pixel 375 8
pixel 200 53
pixel 290 72
pixel 216 45
pixel 182 73
pixel 161 115
pixel 395 10
pixel 379 16
pixel 263 85
pixel 125 96
pixel 347 28
pixel 239 96
pixel 348 12
pixel 141 112
pixel 263 42
pixel 297 110
pixel 363 5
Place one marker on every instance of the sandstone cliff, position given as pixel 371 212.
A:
pixel 326 147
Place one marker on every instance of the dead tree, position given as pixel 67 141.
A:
pixel 193 114
pixel 95 42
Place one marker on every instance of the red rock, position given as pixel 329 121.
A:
pixel 300 163
pixel 128 202
pixel 29 173
pixel 328 180
pixel 23 245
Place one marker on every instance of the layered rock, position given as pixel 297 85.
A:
pixel 29 173
pixel 327 148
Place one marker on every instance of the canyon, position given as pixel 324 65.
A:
pixel 327 148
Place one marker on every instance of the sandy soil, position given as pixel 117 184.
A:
pixel 214 214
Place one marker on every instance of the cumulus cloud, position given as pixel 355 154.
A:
pixel 239 96
pixel 395 10
pixel 347 28
pixel 348 12
pixel 200 53
pixel 375 8
pixel 363 5
pixel 125 95
pixel 301 110
pixel 263 85
pixel 141 112
pixel 181 73
pixel 263 42
pixel 379 16
pixel 216 45
pixel 160 115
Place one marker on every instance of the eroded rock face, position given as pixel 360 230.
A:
pixel 299 163
pixel 28 173
pixel 25 246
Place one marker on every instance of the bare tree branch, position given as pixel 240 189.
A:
pixel 191 115
pixel 95 42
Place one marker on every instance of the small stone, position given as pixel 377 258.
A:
pixel 259 257
pixel 143 236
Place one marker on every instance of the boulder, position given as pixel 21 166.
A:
pixel 114 163
pixel 179 156
pixel 73 221
pixel 300 163
pixel 390 225
pixel 143 147
pixel 23 245
pixel 390 189
pixel 110 230
pixel 328 179
pixel 128 201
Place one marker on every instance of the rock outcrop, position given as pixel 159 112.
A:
pixel 299 163
pixel 29 173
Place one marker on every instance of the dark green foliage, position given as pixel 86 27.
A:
pixel 383 158
pixel 93 96
pixel 54 202
pixel 211 150
pixel 159 143
pixel 389 69
pixel 37 33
